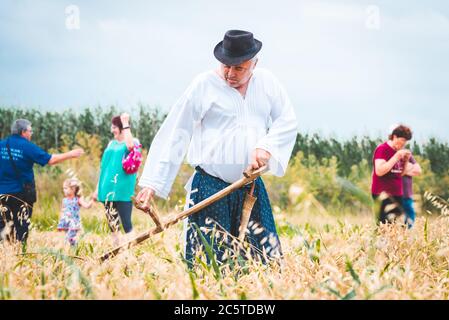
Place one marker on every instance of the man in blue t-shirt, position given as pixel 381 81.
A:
pixel 17 188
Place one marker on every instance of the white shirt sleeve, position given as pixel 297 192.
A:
pixel 171 143
pixel 282 133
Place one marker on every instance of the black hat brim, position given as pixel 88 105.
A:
pixel 233 61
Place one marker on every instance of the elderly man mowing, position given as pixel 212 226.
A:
pixel 227 121
pixel 17 188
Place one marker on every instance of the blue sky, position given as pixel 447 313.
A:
pixel 350 67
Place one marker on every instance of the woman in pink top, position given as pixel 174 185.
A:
pixel 391 162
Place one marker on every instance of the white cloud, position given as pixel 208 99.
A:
pixel 341 76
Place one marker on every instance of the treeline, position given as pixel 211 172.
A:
pixel 351 152
pixel 52 128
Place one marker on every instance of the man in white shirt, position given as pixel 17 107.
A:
pixel 228 120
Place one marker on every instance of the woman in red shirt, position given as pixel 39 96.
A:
pixel 391 162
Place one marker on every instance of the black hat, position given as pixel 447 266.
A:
pixel 237 46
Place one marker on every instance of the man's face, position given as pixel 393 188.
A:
pixel 239 75
pixel 27 133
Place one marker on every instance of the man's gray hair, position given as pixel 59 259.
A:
pixel 19 126
pixel 254 61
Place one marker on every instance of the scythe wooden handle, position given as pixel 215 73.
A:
pixel 248 205
pixel 247 178
pixel 150 210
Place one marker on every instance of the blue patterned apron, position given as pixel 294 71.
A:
pixel 225 214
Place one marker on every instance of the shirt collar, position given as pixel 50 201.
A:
pixel 17 136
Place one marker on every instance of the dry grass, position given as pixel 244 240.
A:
pixel 325 258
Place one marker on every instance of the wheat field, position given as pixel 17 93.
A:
pixel 331 251
pixel 325 257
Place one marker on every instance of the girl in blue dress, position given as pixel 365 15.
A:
pixel 70 220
